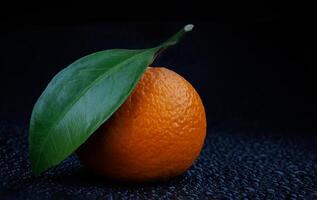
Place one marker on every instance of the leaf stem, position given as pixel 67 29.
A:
pixel 176 38
pixel 172 40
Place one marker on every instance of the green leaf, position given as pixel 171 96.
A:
pixel 82 97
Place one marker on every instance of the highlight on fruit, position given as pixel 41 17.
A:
pixel 124 119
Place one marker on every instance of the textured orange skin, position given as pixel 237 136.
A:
pixel 156 134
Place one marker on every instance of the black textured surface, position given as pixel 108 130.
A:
pixel 235 163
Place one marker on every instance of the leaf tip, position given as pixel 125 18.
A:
pixel 36 173
pixel 188 27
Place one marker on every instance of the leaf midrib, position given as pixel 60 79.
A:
pixel 76 100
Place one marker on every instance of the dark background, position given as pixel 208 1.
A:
pixel 247 63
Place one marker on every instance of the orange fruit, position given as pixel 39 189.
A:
pixel 156 134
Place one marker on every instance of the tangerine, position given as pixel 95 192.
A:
pixel 156 134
